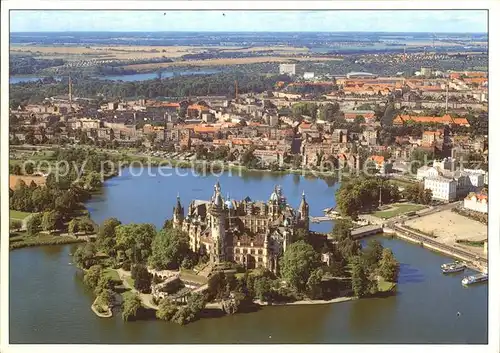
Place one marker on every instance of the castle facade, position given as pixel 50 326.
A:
pixel 251 233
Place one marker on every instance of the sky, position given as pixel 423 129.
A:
pixel 474 21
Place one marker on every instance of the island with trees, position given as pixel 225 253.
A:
pixel 148 272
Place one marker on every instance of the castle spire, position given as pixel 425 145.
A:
pixel 178 211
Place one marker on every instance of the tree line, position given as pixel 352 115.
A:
pixel 181 86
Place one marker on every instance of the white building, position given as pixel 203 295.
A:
pixel 443 189
pixel 287 69
pixel 478 171
pixel 445 164
pixel 308 75
pixel 476 202
pixel 447 185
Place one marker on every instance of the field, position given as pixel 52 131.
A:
pixel 14 179
pixel 398 209
pixel 18 214
pixel 449 227
pixel 139 52
pixel 127 53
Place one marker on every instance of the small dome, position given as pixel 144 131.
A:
pixel 274 197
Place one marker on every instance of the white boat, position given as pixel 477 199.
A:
pixel 450 264
pixel 482 277
pixel 453 267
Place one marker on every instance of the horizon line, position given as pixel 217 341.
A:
pixel 217 31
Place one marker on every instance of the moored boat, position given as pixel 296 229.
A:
pixel 482 277
pixel 453 267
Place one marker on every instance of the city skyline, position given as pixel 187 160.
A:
pixel 439 21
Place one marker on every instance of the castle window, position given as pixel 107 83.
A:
pixel 252 251
pixel 237 251
pixel 244 251
pixel 260 259
pixel 260 251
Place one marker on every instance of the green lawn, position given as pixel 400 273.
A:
pixel 397 210
pixel 130 281
pixel 128 293
pixel 190 276
pixel 18 215
pixel 109 272
pixel 384 286
pixel 22 240
pixel 400 182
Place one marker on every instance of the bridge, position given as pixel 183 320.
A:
pixel 329 218
pixel 366 231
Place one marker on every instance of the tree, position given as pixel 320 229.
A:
pixel 134 241
pixel 130 307
pixel 166 310
pixel 73 226
pixel 168 224
pixel 232 304
pixel 359 278
pixel 93 180
pixel 142 278
pixel 416 193
pixel 389 266
pixel 169 247
pixel 16 170
pixel 15 225
pixel 328 111
pixel 263 289
pixel 86 225
pixel 373 253
pixel 191 311
pixel 314 284
pixel 419 158
pixel 66 202
pixel 51 220
pixel 33 224
pixel 297 263
pixel 84 256
pixel 92 276
pixel 105 297
pixel 106 235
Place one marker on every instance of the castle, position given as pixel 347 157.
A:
pixel 251 233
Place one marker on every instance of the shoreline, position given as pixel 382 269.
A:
pixel 308 301
pixel 107 314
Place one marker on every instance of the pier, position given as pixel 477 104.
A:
pixel 471 260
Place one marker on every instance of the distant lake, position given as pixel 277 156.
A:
pixel 126 78
pixel 25 78
pixel 154 75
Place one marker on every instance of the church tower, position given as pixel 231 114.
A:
pixel 178 213
pixel 217 226
pixel 304 211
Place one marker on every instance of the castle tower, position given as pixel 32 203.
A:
pixel 267 261
pixel 304 211
pixel 273 202
pixel 178 213
pixel 217 226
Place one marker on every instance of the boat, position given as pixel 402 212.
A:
pixel 453 267
pixel 482 277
